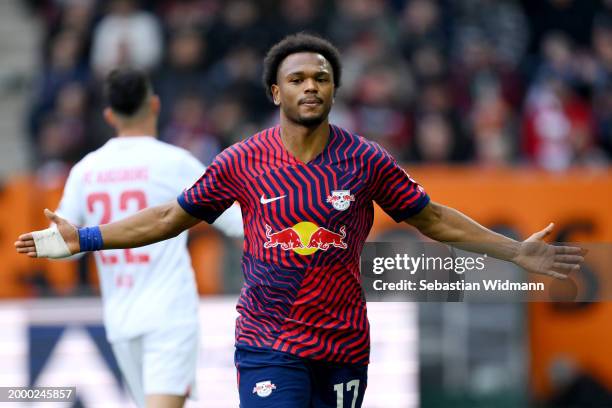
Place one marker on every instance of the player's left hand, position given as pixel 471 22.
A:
pixel 537 256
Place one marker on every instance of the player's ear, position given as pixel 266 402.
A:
pixel 334 92
pixel 275 94
pixel 110 118
pixel 155 104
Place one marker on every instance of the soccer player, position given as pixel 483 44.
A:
pixel 149 294
pixel 306 189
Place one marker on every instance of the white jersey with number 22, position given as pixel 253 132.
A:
pixel 152 286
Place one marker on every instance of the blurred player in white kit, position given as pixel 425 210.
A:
pixel 149 294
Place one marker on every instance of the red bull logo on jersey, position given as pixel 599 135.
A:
pixel 341 199
pixel 305 238
pixel 287 239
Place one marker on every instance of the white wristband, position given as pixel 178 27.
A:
pixel 50 244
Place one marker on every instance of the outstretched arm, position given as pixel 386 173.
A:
pixel 448 225
pixel 143 228
pixel 148 226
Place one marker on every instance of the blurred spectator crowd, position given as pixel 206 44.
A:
pixel 487 82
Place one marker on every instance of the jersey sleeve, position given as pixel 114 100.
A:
pixel 215 191
pixel 398 194
pixel 72 202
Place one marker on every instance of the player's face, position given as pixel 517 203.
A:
pixel 305 88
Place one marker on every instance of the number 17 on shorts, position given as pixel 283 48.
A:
pixel 352 389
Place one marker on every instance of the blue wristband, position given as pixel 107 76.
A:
pixel 90 239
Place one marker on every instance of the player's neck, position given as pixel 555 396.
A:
pixel 302 142
pixel 137 130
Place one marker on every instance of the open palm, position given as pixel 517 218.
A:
pixel 536 256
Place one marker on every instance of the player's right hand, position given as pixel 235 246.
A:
pixel 25 243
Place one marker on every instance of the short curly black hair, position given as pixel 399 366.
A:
pixel 292 44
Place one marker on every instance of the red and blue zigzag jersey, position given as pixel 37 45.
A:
pixel 305 226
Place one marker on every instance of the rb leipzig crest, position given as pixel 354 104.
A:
pixel 341 199
pixel 264 388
